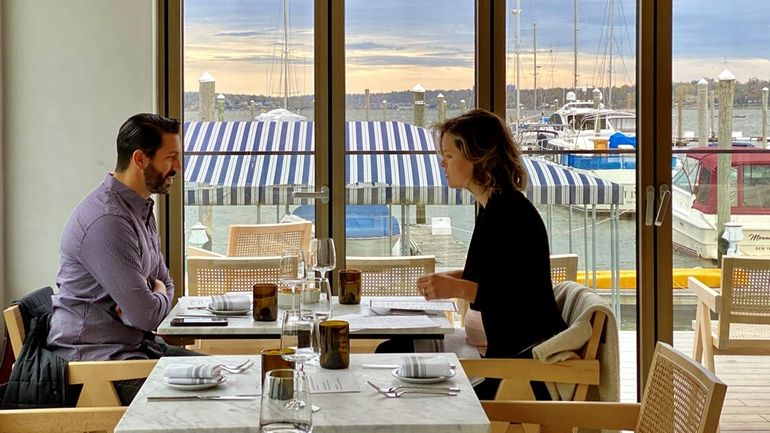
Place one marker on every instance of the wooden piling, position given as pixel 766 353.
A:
pixel 726 95
pixel 367 104
pixel 703 101
pixel 765 91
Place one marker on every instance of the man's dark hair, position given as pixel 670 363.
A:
pixel 143 132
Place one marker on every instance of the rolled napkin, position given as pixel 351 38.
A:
pixel 192 374
pixel 424 366
pixel 230 302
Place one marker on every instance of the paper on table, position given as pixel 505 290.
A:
pixel 331 382
pixel 195 301
pixel 444 305
pixel 386 322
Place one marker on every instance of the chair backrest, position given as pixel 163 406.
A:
pixel 15 326
pixel 745 293
pixel 680 395
pixel 391 276
pixel 71 419
pixel 260 240
pixel 564 267
pixel 208 276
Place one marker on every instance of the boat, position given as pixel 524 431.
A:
pixel 581 125
pixel 695 203
pixel 366 228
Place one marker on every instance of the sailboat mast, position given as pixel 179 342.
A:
pixel 534 43
pixel 610 41
pixel 575 39
pixel 517 14
pixel 286 54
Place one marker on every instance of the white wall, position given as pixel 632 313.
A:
pixel 73 71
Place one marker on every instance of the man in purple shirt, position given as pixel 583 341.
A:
pixel 114 287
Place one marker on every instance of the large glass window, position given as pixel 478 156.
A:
pixel 408 66
pixel 571 95
pixel 248 112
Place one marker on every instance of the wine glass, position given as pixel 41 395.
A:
pixel 322 257
pixel 285 403
pixel 299 331
pixel 292 272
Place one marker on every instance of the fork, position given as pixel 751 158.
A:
pixel 401 392
pixel 408 387
pixel 237 368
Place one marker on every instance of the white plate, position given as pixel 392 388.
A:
pixel 196 386
pixel 437 379
pixel 228 312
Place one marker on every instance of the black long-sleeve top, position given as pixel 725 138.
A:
pixel 508 258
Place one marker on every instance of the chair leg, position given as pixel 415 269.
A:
pixel 697 345
pixel 707 342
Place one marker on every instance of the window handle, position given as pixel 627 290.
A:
pixel 648 210
pixel 665 196
pixel 322 195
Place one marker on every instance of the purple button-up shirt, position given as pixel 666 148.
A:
pixel 110 255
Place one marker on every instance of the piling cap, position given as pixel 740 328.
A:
pixel 220 97
pixel 703 82
pixel 440 95
pixel 206 78
pixel 418 88
pixel 765 89
pixel 726 75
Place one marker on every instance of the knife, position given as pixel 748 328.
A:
pixel 203 397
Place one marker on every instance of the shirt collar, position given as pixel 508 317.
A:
pixel 138 204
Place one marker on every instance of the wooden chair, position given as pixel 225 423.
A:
pixel 64 420
pixel 564 267
pixel 742 307
pixel 96 376
pixel 208 276
pixel 391 276
pixel 260 240
pixel 680 396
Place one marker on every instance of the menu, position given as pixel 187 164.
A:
pixel 327 382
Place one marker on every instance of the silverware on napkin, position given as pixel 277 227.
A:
pixel 203 397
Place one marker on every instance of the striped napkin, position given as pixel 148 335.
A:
pixel 423 366
pixel 230 302
pixel 192 374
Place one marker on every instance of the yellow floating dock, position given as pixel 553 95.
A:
pixel 710 277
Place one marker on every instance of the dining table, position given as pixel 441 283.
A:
pixel 241 326
pixel 357 408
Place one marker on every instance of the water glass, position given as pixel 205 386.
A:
pixel 286 404
pixel 322 290
pixel 292 272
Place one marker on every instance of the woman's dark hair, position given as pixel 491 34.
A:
pixel 485 140
pixel 143 132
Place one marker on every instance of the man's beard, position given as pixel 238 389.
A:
pixel 155 181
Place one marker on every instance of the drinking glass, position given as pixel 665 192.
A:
pixel 322 308
pixel 292 272
pixel 322 257
pixel 285 403
pixel 299 331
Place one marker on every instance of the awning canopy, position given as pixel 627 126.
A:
pixel 246 163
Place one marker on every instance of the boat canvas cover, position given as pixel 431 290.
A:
pixel 387 162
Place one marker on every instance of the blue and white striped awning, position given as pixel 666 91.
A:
pixel 549 183
pixel 245 163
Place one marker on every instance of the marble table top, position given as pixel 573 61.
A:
pixel 362 412
pixel 245 326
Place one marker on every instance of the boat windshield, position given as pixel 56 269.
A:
pixel 624 124
pixel 756 186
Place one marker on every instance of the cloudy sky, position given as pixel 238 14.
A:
pixel 395 44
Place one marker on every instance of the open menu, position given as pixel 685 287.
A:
pixel 427 306
pixel 324 382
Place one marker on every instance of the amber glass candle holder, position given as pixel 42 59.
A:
pixel 265 302
pixel 335 344
pixel 350 287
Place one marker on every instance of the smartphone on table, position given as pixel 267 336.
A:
pixel 199 321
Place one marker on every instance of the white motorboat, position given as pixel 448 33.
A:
pixel 695 203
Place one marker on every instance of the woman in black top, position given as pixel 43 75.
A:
pixel 507 276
